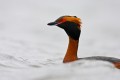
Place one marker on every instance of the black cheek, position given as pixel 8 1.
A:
pixel 71 29
pixel 73 33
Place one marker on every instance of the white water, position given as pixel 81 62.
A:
pixel 31 50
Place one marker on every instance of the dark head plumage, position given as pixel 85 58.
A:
pixel 71 25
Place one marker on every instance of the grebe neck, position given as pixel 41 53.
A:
pixel 71 54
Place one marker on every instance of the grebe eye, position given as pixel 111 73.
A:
pixel 61 21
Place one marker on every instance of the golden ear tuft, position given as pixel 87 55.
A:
pixel 73 19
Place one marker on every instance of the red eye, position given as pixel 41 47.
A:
pixel 62 21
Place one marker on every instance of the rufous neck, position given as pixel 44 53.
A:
pixel 71 54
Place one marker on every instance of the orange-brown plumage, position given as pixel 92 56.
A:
pixel 71 54
pixel 72 19
pixel 72 26
pixel 117 65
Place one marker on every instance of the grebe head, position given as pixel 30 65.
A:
pixel 71 25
